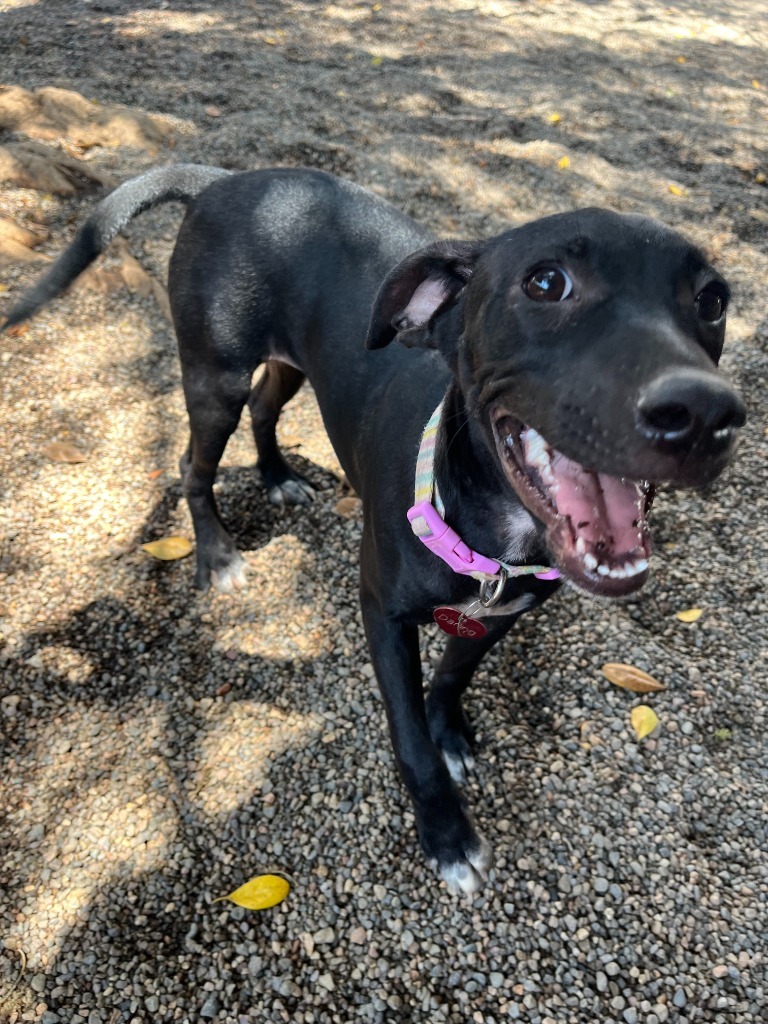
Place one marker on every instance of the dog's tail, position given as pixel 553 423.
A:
pixel 180 182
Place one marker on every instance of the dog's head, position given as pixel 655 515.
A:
pixel 586 347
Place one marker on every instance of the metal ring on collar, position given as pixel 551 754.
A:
pixel 491 590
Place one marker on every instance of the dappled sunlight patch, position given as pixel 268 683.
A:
pixel 92 808
pixel 234 759
pixel 146 22
pixel 278 616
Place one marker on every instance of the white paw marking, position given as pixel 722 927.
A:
pixel 458 766
pixel 291 492
pixel 467 876
pixel 230 578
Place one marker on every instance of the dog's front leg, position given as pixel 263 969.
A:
pixel 448 837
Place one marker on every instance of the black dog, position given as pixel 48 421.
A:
pixel 575 359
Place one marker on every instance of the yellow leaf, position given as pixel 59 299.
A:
pixel 259 893
pixel 644 720
pixel 61 451
pixel 168 549
pixel 681 60
pixel 554 118
pixel 676 190
pixel 689 614
pixel 756 84
pixel 630 678
pixel 376 61
pixel 563 162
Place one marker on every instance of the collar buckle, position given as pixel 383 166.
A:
pixel 432 530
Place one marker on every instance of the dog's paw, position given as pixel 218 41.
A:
pixel 231 576
pixel 467 873
pixel 295 491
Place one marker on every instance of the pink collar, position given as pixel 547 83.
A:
pixel 429 526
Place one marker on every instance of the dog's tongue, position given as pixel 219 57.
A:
pixel 604 510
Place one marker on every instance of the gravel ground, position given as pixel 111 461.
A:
pixel 159 747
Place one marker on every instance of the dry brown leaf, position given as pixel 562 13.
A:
pixel 161 298
pixel 133 274
pixel 348 507
pixel 16 243
pixel 630 678
pixel 644 720
pixel 168 549
pixel 17 330
pixel 99 279
pixel 33 165
pixel 59 114
pixel 63 451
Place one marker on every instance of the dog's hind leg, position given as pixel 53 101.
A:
pixel 215 400
pixel 276 386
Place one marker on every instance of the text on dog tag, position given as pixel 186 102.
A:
pixel 453 622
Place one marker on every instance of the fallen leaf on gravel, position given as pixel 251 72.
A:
pixel 17 330
pixel 155 473
pixel 644 720
pixel 630 678
pixel 348 507
pixel 564 162
pixel 54 114
pixel 17 243
pixel 689 614
pixel 722 735
pixel 259 893
pixel 168 549
pixel 33 165
pixel 676 190
pixel 554 119
pixel 62 451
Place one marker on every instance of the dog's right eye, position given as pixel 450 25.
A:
pixel 548 284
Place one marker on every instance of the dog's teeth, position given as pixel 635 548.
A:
pixel 581 545
pixel 618 574
pixel 603 570
pixel 537 454
pixel 590 561
pixel 641 565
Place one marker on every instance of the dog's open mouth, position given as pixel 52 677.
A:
pixel 596 524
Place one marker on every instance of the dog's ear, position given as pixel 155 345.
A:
pixel 425 284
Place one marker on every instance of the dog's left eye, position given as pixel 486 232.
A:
pixel 548 284
pixel 711 303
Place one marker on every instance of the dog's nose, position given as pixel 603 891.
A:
pixel 690 407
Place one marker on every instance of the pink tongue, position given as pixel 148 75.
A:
pixel 600 507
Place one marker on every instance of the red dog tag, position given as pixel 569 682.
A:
pixel 453 622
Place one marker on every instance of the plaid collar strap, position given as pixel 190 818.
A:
pixel 426 519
